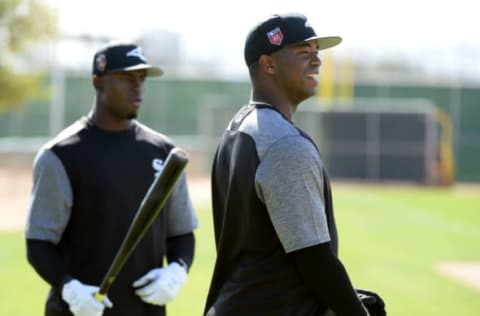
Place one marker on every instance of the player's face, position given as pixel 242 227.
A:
pixel 297 70
pixel 123 93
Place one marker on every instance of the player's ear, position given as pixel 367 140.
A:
pixel 97 83
pixel 267 64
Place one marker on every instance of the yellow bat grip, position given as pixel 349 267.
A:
pixel 99 297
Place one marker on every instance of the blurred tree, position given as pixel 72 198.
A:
pixel 23 23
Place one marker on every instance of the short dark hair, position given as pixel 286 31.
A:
pixel 253 69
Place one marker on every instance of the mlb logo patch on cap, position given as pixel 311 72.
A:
pixel 275 36
pixel 101 62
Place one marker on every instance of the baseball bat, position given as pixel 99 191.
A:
pixel 151 205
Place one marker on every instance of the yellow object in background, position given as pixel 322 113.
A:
pixel 326 83
pixel 346 82
pixel 336 86
pixel 446 163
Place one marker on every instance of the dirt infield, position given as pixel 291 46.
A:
pixel 465 272
pixel 15 186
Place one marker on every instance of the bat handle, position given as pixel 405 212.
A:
pixel 99 297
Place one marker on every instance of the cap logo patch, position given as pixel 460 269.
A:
pixel 275 36
pixel 101 62
pixel 137 52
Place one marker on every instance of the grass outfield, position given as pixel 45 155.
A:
pixel 391 237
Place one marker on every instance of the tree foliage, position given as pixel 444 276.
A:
pixel 23 23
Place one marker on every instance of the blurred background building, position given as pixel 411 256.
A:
pixel 384 111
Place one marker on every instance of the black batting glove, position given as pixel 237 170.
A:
pixel 372 301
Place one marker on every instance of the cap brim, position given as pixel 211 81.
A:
pixel 152 71
pixel 326 42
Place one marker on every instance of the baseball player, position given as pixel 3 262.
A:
pixel 88 183
pixel 275 230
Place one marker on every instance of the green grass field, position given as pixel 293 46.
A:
pixel 391 237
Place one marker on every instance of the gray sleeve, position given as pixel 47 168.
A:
pixel 51 199
pixel 289 181
pixel 181 215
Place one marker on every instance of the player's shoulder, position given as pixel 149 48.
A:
pixel 267 122
pixel 272 121
pixel 66 136
pixel 296 144
pixel 47 155
pixel 271 130
pixel 148 134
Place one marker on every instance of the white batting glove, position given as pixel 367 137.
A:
pixel 160 286
pixel 81 300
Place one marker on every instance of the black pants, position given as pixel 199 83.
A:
pixel 55 305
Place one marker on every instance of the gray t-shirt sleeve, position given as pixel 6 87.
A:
pixel 181 215
pixel 51 199
pixel 289 181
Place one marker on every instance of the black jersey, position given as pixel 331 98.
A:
pixel 271 196
pixel 88 185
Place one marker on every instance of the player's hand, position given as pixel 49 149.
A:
pixel 160 286
pixel 372 301
pixel 81 301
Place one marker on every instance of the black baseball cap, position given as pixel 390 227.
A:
pixel 122 56
pixel 280 30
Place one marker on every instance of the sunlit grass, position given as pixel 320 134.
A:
pixel 391 237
